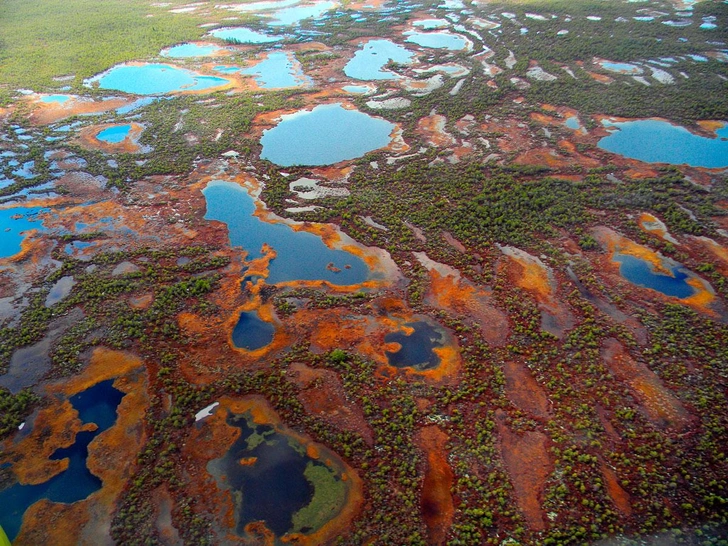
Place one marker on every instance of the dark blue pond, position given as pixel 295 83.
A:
pixel 251 332
pixel 271 489
pixel 300 255
pixel 642 273
pixel 96 404
pixel 416 348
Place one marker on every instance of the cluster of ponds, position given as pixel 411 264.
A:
pixel 96 405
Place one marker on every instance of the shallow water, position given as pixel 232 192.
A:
pixel 323 136
pixel 114 134
pixel 154 79
pixel 300 255
pixel 13 222
pixel 431 24
pixel 642 273
pixel 251 332
pixel 295 14
pixel 273 487
pixel 244 35
pixel 368 63
pixel 184 51
pixel 96 404
pixel 621 68
pixel 438 40
pixel 655 141
pixel 416 348
pixel 279 70
pixel 55 98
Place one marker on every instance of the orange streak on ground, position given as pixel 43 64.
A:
pixel 641 173
pixel 527 459
pixel 619 496
pixel 524 391
pixel 711 126
pixel 433 129
pixel 601 78
pixel 660 405
pixel 51 112
pixel 436 500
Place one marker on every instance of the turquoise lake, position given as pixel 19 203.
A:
pixel 278 71
pixel 13 222
pixel 244 35
pixel 96 405
pixel 115 134
pixel 655 141
pixel 642 273
pixel 251 332
pixel 154 79
pixel 55 98
pixel 300 255
pixel 431 24
pixel 323 136
pixel 184 51
pixel 368 63
pixel 622 68
pixel 295 14
pixel 438 40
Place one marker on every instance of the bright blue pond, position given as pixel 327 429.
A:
pixel 437 40
pixel 323 136
pixel 278 70
pixel 573 123
pixel 357 89
pixel 296 14
pixel 96 404
pixel 622 68
pixel 251 332
pixel 114 134
pixel 190 50
pixel 55 98
pixel 11 227
pixel 416 348
pixel 244 35
pixel 300 255
pixel 655 141
pixel 431 24
pixel 368 63
pixel 642 273
pixel 155 79
pixel 274 487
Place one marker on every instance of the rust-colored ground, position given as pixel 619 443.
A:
pixel 659 404
pixel 527 459
pixel 432 128
pixel 45 113
pixel 523 390
pixel 437 503
pixel 619 496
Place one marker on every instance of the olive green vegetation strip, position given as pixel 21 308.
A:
pixel 329 497
pixel 4 540
pixel 40 39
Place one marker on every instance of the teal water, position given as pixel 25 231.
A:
pixel 622 68
pixel 438 40
pixel 573 123
pixel 416 348
pixel 323 136
pixel 96 404
pixel 655 141
pixel 13 222
pixel 368 63
pixel 642 273
pixel 244 35
pixel 357 89
pixel 55 98
pixel 300 255
pixel 431 24
pixel 114 134
pixel 279 70
pixel 183 51
pixel 154 79
pixel 296 14
pixel 274 487
pixel 251 332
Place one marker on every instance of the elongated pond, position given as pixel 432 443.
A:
pixel 299 255
pixel 97 405
pixel 657 141
pixel 154 79
pixel 642 273
pixel 323 136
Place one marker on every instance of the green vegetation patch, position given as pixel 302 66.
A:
pixel 328 497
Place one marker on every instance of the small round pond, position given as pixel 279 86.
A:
pixel 416 346
pixel 114 134
pixel 251 332
pixel 323 136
